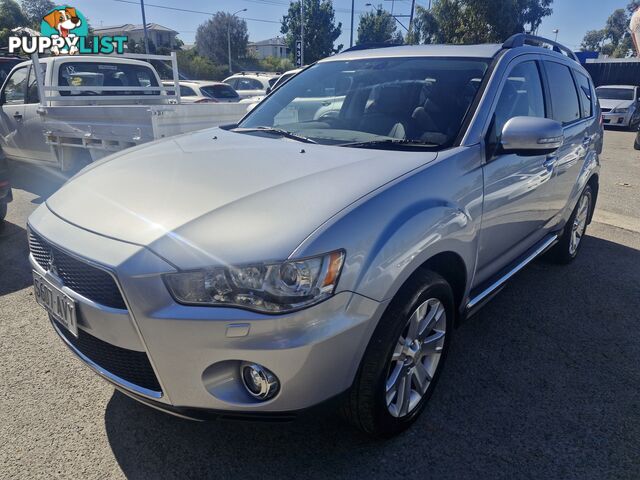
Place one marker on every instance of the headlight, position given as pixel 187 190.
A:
pixel 620 110
pixel 270 287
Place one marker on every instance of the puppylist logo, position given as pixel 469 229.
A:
pixel 65 31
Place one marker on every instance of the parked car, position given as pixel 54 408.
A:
pixel 261 269
pixel 251 84
pixel 620 105
pixel 92 106
pixel 200 91
pixel 5 188
pixel 283 78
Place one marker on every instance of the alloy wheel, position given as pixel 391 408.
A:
pixel 579 224
pixel 415 358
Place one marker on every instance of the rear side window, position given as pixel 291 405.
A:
pixel 521 95
pixel 187 91
pixel 584 89
pixel 219 91
pixel 249 84
pixel 96 74
pixel 564 96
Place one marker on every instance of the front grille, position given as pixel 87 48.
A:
pixel 84 279
pixel 132 366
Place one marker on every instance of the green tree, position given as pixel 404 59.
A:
pixel 11 17
pixel 616 26
pixel 275 64
pixel 196 67
pixel 592 40
pixel 211 38
pixel 320 30
pixel 479 21
pixel 424 27
pixel 34 10
pixel 378 27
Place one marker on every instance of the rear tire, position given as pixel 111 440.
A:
pixel 404 358
pixel 568 247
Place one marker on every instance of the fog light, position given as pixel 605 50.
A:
pixel 259 382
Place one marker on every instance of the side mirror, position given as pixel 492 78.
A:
pixel 3 98
pixel 267 91
pixel 530 136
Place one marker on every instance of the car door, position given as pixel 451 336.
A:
pixel 515 211
pixel 575 114
pixel 12 112
pixel 31 131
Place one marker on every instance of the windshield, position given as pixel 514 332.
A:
pixel 417 100
pixel 615 93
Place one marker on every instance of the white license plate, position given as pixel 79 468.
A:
pixel 60 305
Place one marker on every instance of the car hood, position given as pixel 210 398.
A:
pixel 611 104
pixel 216 197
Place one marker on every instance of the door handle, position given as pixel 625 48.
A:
pixel 41 111
pixel 17 116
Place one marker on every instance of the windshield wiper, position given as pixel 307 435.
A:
pixel 277 131
pixel 389 142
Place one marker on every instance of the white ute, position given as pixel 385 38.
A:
pixel 78 109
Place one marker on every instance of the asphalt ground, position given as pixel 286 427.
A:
pixel 542 383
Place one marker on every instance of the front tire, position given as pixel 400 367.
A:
pixel 568 247
pixel 404 358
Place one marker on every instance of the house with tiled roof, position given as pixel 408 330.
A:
pixel 160 35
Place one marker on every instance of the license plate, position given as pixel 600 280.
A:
pixel 60 305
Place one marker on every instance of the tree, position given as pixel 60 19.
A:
pixel 275 64
pixel 34 10
pixel 593 39
pixel 616 26
pixel 424 27
pixel 320 30
pixel 211 38
pixel 479 21
pixel 11 17
pixel 197 67
pixel 378 27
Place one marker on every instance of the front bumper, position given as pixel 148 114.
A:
pixel 617 119
pixel 196 352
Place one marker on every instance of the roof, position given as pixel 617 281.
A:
pixel 129 27
pixel 279 41
pixel 476 51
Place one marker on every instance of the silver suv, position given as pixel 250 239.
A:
pixel 327 245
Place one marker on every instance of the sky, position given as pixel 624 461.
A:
pixel 571 17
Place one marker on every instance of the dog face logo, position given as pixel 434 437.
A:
pixel 63 20
pixel 64 23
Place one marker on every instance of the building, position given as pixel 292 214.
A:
pixel 272 47
pixel 160 36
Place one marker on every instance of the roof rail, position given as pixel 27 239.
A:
pixel 521 39
pixel 370 45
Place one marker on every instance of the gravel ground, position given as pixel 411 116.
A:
pixel 543 383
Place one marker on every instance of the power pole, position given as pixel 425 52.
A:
pixel 144 26
pixel 301 32
pixel 351 37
